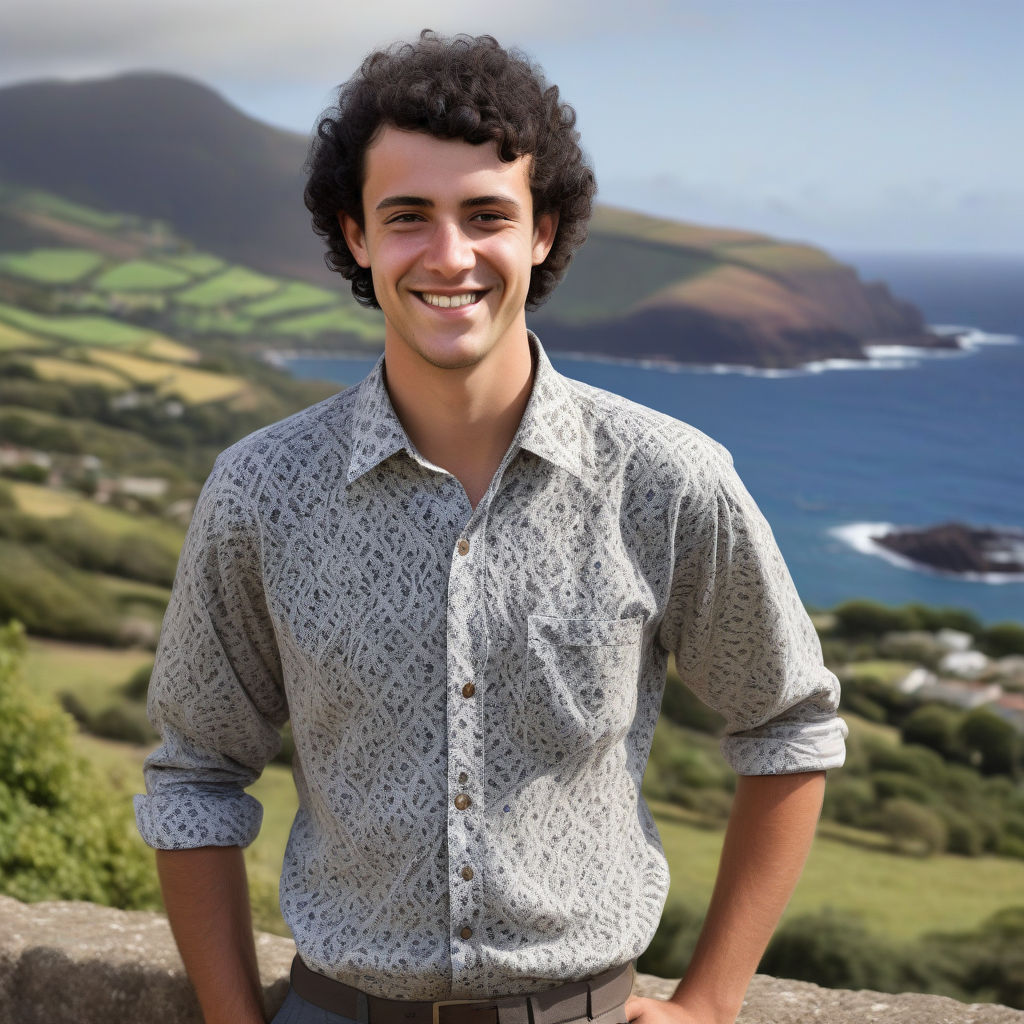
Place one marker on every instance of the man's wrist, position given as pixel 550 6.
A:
pixel 706 1008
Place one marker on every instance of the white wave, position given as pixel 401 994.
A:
pixel 863 537
pixel 972 337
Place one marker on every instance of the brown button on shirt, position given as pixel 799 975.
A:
pixel 321 581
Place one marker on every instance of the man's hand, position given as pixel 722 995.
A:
pixel 641 1010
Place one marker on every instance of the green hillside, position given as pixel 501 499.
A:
pixel 121 377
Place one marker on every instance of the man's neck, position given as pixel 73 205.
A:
pixel 462 419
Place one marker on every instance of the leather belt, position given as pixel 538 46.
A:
pixel 574 1001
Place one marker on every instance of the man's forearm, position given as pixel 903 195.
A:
pixel 770 831
pixel 207 899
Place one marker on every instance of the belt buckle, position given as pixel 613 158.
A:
pixel 449 1002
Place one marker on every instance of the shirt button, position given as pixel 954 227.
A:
pixel 468 690
pixel 466 933
pixel 467 872
pixel 463 546
pixel 463 776
pixel 462 801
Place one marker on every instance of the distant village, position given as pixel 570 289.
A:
pixel 965 678
pixel 85 474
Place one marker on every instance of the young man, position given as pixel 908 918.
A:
pixel 461 580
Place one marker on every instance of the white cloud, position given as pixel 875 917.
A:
pixel 303 40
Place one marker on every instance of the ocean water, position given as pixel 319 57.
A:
pixel 911 441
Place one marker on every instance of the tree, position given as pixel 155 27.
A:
pixel 992 743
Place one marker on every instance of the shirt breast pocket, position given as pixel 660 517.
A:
pixel 581 682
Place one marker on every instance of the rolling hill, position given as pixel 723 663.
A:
pixel 169 149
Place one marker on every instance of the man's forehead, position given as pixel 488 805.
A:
pixel 405 162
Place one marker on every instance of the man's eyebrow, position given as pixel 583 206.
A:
pixel 388 201
pixel 419 201
pixel 491 201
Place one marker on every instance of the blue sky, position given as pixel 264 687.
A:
pixel 868 125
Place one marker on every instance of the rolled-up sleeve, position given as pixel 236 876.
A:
pixel 216 695
pixel 742 640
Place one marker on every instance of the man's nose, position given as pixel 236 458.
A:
pixel 450 251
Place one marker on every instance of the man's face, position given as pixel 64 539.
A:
pixel 450 240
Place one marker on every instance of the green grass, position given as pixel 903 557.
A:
pixel 50 266
pixel 778 257
pixel 37 500
pixel 89 330
pixel 621 273
pixel 93 673
pixel 195 264
pixel 213 321
pixel 140 275
pixel 64 209
pixel 293 296
pixel 59 433
pixel 231 285
pixel 332 321
pixel 900 897
pixel 890 672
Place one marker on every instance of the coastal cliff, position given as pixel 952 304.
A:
pixel 171 150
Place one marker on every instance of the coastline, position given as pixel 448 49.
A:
pixel 877 357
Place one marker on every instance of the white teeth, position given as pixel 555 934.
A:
pixel 448 301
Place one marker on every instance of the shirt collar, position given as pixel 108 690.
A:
pixel 550 426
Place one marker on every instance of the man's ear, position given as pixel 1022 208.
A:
pixel 355 238
pixel 544 229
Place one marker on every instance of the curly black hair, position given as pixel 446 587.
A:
pixel 461 87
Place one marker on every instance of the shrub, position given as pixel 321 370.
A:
pixel 916 646
pixel 673 943
pixel 124 722
pixel 1002 639
pixel 679 705
pixel 923 616
pixel 61 836
pixel 73 705
pixel 850 801
pixel 935 727
pixel 286 751
pixel 869 618
pixel 964 836
pixel 866 693
pixel 913 828
pixel 137 686
pixel 987 963
pixel 991 743
pixel 833 949
pixel 913 761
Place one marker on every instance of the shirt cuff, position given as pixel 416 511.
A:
pixel 190 819
pixel 786 747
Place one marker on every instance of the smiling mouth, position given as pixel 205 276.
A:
pixel 450 301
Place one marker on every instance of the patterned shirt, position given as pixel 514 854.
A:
pixel 472 692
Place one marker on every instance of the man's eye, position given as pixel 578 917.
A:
pixel 490 218
pixel 404 218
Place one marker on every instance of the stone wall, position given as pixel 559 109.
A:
pixel 77 963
